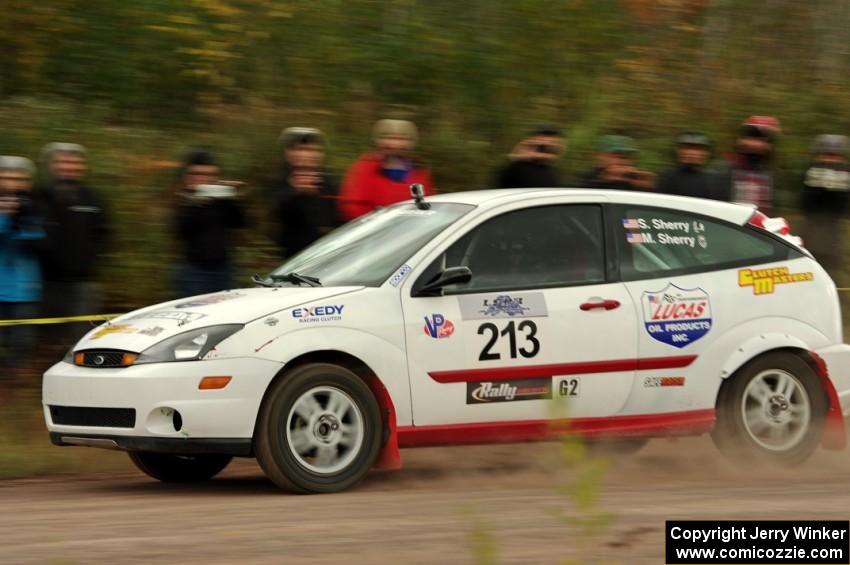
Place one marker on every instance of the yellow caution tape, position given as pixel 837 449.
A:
pixel 101 317
pixel 65 320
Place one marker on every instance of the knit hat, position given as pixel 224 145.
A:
pixel 402 128
pixel 13 163
pixel 49 150
pixel 831 144
pixel 290 137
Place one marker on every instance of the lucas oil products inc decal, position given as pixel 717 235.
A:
pixel 438 327
pixel 507 305
pixel 508 391
pixel 677 316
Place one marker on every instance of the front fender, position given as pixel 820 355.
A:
pixel 385 357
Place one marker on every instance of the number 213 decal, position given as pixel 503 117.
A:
pixel 525 330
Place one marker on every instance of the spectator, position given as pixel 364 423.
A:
pixel 747 177
pixel 77 229
pixel 615 167
pixel 384 177
pixel 304 192
pixel 532 161
pixel 825 201
pixel 21 234
pixel 690 176
pixel 208 210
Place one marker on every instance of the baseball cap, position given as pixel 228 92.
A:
pixel 617 144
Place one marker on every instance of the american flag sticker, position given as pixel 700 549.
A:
pixel 631 224
pixel 634 237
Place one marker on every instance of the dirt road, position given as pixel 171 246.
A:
pixel 426 513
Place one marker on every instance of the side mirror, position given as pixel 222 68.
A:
pixel 452 275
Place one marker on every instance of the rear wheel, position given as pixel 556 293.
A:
pixel 170 468
pixel 319 430
pixel 772 409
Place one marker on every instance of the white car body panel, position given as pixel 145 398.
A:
pixel 385 328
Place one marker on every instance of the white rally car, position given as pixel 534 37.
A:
pixel 463 319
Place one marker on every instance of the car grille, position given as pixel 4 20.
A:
pixel 93 417
pixel 102 359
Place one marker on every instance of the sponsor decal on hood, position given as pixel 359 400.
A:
pixel 677 316
pixel 323 313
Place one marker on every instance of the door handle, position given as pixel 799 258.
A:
pixel 606 304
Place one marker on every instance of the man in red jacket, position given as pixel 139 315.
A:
pixel 384 177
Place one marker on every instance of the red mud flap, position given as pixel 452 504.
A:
pixel 834 432
pixel 389 457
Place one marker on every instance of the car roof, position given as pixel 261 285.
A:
pixel 736 213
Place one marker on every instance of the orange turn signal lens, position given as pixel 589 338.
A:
pixel 212 383
pixel 128 359
pixel 79 358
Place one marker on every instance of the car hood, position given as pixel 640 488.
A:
pixel 138 330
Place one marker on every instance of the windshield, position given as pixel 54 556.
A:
pixel 366 251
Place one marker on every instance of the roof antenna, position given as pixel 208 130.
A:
pixel 417 191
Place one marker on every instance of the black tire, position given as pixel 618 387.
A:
pixel 281 463
pixel 731 434
pixel 616 447
pixel 170 468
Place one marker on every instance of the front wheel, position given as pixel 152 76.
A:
pixel 772 409
pixel 319 430
pixel 170 468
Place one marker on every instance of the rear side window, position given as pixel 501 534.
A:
pixel 659 242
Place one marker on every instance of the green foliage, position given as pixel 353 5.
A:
pixel 139 82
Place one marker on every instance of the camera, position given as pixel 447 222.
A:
pixel 215 191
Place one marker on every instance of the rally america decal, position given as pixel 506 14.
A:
pixel 677 316
pixel 505 305
pixel 508 391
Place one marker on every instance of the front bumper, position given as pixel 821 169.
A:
pixel 181 446
pixel 155 392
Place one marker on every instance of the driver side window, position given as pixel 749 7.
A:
pixel 543 247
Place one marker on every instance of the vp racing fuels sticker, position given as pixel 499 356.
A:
pixel 676 316
pixel 437 326
pixel 508 391
pixel 505 305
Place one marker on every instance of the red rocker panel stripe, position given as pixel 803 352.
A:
pixel 583 368
pixel 672 423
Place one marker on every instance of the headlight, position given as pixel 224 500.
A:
pixel 188 346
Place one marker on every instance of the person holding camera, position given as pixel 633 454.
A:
pixel 76 222
pixel 21 235
pixel 532 162
pixel 748 176
pixel 691 175
pixel 208 212
pixel 615 167
pixel 825 200
pixel 304 192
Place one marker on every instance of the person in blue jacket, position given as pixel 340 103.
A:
pixel 21 234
